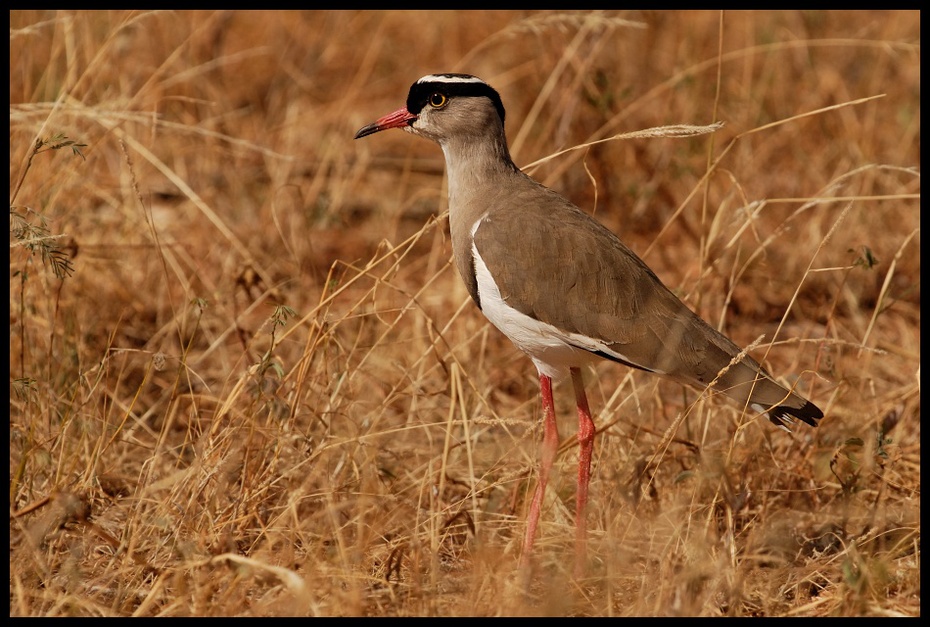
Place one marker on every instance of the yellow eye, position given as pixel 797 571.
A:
pixel 437 101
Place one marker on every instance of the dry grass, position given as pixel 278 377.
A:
pixel 263 390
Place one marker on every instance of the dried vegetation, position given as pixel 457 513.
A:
pixel 245 379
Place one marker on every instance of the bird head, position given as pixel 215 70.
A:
pixel 444 106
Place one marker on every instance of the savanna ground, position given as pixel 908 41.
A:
pixel 246 380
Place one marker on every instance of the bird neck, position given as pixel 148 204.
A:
pixel 480 175
pixel 474 165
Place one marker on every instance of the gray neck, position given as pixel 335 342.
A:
pixel 480 171
pixel 474 166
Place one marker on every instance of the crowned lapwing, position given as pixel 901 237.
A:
pixel 562 286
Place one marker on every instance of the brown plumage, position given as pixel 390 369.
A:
pixel 559 284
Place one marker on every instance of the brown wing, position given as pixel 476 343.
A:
pixel 583 279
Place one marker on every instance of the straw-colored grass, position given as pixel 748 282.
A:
pixel 246 380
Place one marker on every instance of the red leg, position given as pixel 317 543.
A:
pixel 550 446
pixel 586 445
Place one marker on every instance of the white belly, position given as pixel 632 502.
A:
pixel 552 350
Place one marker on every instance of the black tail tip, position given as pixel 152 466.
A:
pixel 784 416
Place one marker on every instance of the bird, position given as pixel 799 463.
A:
pixel 562 286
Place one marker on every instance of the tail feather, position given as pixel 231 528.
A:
pixel 784 416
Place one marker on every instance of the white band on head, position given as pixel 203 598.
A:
pixel 446 78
